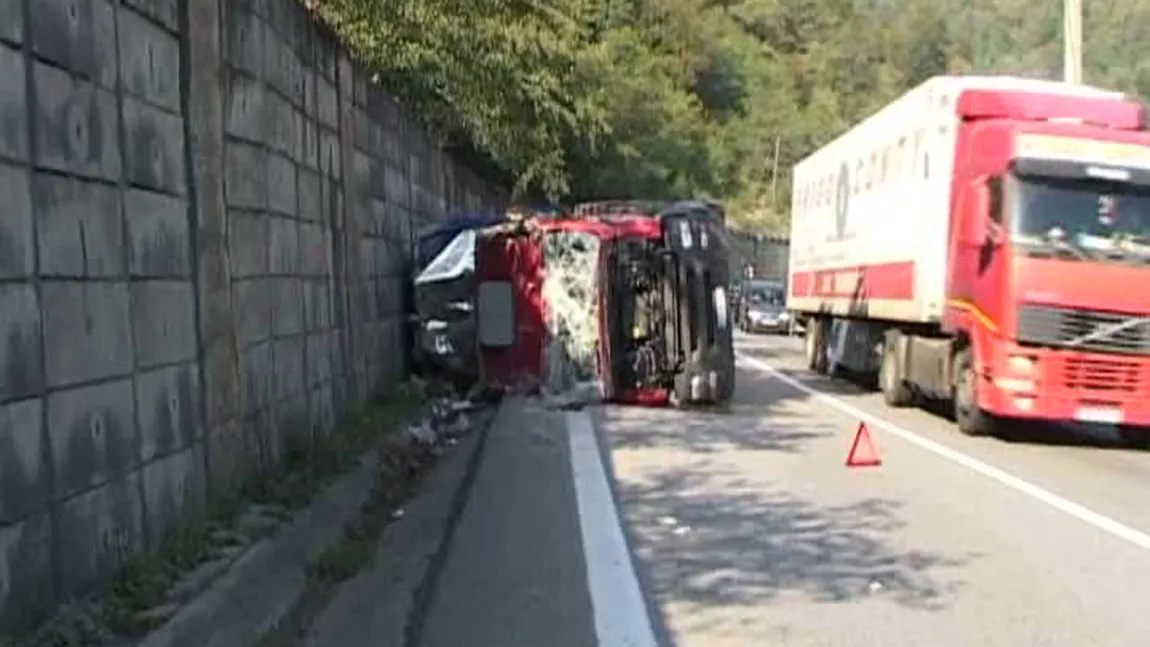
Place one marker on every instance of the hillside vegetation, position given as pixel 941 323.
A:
pixel 672 98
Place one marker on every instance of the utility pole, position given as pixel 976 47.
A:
pixel 1072 41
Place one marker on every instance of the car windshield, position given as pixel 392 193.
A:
pixel 764 295
pixel 1084 219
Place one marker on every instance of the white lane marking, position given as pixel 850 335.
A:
pixel 1076 510
pixel 621 618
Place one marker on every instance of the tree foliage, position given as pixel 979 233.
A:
pixel 676 98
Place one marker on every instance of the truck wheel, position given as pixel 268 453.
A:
pixel 1134 437
pixel 895 391
pixel 816 347
pixel 971 420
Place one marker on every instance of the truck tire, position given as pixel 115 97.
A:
pixel 971 420
pixel 895 391
pixel 1134 437
pixel 816 346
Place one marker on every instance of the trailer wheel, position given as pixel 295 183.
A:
pixel 895 391
pixel 816 346
pixel 971 420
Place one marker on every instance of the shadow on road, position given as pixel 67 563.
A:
pixel 1013 431
pixel 747 546
pixel 739 426
pixel 717 531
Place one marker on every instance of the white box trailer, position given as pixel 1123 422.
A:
pixel 871 210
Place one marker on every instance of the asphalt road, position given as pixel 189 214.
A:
pixel 744 527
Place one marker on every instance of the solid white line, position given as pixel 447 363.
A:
pixel 621 618
pixel 1076 510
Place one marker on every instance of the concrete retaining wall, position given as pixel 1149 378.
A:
pixel 205 217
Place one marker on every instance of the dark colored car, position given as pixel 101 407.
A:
pixel 763 307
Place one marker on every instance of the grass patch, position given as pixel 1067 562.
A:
pixel 309 464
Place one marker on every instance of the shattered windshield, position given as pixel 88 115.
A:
pixel 1084 219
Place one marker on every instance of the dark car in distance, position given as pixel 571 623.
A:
pixel 763 307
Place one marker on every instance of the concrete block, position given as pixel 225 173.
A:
pixel 26 591
pixel 79 35
pixel 318 355
pixel 13 99
pixel 328 102
pixel 12 21
pixel 317 305
pixel 281 117
pixel 267 443
pixel 221 377
pixel 81 232
pixel 360 180
pixel 175 489
pixel 244 36
pixel 149 61
pixel 330 156
pixel 167 12
pixel 92 435
pixel 327 52
pixel 158 234
pixel 98 531
pixel 16 240
pixel 24 484
pixel 361 130
pixel 368 261
pixel 21 371
pixel 309 87
pixel 314 248
pixel 251 308
pixel 378 188
pixel 87 331
pixel 279 60
pixel 310 195
pixel 284 246
pixel 168 406
pixel 287 311
pixel 248 244
pixel 257 377
pixel 397 186
pixel 288 355
pixel 246 176
pixel 282 193
pixel 298 132
pixel 319 410
pixel 247 108
pixel 309 143
pixel 254 7
pixel 163 322
pixel 76 124
pixel 155 148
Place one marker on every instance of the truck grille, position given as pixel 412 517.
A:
pixel 1114 376
pixel 1057 327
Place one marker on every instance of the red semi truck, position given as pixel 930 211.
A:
pixel 984 240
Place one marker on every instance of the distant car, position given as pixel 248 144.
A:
pixel 763 308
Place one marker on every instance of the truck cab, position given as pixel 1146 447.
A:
pixel 1050 256
pixel 984 240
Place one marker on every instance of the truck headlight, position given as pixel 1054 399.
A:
pixel 1022 364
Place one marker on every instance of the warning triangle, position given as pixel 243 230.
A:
pixel 863 452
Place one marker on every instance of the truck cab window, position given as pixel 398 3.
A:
pixel 994 195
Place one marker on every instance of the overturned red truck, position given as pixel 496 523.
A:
pixel 628 296
pixel 984 240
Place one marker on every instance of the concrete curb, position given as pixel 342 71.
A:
pixel 389 600
pixel 264 586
